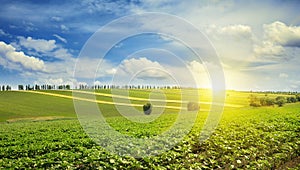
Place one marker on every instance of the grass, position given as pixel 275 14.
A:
pixel 46 134
pixel 15 105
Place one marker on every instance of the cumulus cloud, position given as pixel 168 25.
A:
pixel 97 82
pixel 233 43
pixel 39 45
pixel 62 53
pixel 9 52
pixel 143 68
pixel 43 47
pixel 268 48
pixel 237 31
pixel 278 36
pixel 89 68
pixel 279 33
pixel 196 67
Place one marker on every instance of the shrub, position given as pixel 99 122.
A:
pixel 280 101
pixel 255 104
pixel 291 99
pixel 298 97
pixel 265 101
pixel 254 101
pixel 193 106
pixel 147 108
pixel 270 102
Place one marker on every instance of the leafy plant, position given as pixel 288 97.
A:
pixel 147 108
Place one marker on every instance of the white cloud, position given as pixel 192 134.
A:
pixel 89 68
pixel 39 45
pixel 57 81
pixel 142 68
pixel 277 36
pixel 97 82
pixel 62 53
pixel 237 31
pixel 233 43
pixel 196 67
pixel 268 48
pixel 111 71
pixel 279 33
pixel 283 75
pixel 60 38
pixel 9 52
pixel 44 47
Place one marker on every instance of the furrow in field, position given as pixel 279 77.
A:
pixel 155 100
pixel 102 102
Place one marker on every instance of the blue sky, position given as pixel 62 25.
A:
pixel 258 43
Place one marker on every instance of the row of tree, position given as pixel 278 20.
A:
pixel 277 92
pixel 43 87
pixel 266 101
pixel 5 88
pixel 81 86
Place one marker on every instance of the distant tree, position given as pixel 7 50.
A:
pixel 37 87
pixel 68 87
pixel 20 87
pixel 147 108
pixel 3 88
pixel 280 101
pixel 270 102
pixel 266 101
pixel 298 97
pixel 254 101
pixel 7 88
pixel 291 99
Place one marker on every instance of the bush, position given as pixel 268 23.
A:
pixel 267 101
pixel 255 104
pixel 298 97
pixel 280 101
pixel 291 99
pixel 192 106
pixel 147 108
pixel 254 101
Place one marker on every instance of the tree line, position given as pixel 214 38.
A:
pixel 43 87
pixel 279 100
pixel 126 87
pixel 83 87
pixel 5 87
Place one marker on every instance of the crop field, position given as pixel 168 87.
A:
pixel 40 129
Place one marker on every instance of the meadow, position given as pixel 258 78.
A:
pixel 41 130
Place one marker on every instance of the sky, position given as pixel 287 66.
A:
pixel 256 43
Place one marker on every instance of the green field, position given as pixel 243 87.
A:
pixel 42 131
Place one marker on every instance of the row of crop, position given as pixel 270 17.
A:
pixel 257 138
